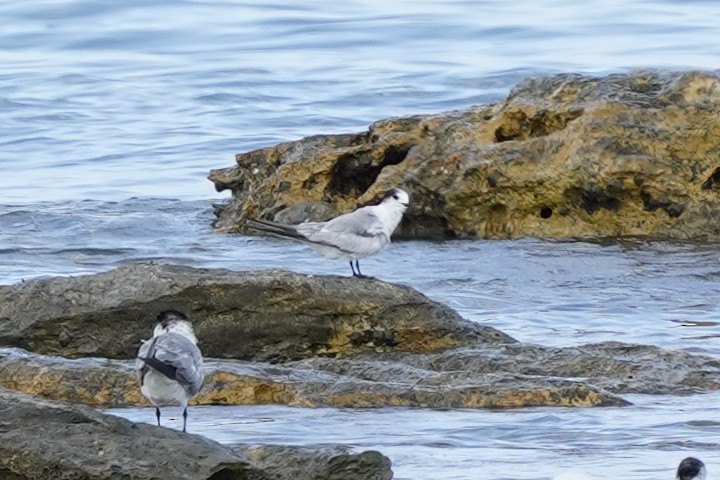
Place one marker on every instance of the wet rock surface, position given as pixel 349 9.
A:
pixel 40 439
pixel 318 382
pixel 322 463
pixel 269 315
pixel 309 341
pixel 563 156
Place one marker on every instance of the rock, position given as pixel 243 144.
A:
pixel 563 156
pixel 270 315
pixel 490 376
pixel 318 382
pixel 612 366
pixel 40 439
pixel 322 463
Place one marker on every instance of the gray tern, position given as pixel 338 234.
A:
pixel 351 236
pixel 169 366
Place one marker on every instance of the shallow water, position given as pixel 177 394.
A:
pixel 645 441
pixel 112 114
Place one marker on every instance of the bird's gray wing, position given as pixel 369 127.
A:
pixel 177 358
pixel 360 232
pixel 140 367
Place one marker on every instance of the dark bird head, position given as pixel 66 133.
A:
pixel 691 469
pixel 172 321
pixel 396 196
pixel 166 317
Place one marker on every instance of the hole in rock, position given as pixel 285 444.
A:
pixel 353 173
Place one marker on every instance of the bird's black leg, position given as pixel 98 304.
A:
pixel 157 414
pixel 353 269
pixel 185 419
pixel 359 273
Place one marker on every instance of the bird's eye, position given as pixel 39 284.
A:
pixel 396 197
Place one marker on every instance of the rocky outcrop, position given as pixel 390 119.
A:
pixel 562 156
pixel 41 439
pixel 269 315
pixel 491 376
pixel 309 341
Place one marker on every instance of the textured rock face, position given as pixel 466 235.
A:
pixel 268 315
pixel 40 439
pixel 492 376
pixel 310 341
pixel 44 440
pixel 293 463
pixel 318 382
pixel 562 156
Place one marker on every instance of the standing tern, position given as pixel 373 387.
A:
pixel 170 365
pixel 350 236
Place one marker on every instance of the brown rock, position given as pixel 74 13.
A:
pixel 562 156
pixel 319 382
pixel 269 315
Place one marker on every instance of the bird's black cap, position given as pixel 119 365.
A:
pixel 168 316
pixel 689 468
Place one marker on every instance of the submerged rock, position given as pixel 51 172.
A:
pixel 327 463
pixel 271 315
pixel 562 156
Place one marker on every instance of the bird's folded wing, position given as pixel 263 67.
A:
pixel 359 232
pixel 175 354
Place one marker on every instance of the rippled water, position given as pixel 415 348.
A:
pixel 112 113
pixel 646 441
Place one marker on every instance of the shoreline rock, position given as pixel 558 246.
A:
pixel 42 439
pixel 271 315
pixel 309 341
pixel 319 382
pixel 564 156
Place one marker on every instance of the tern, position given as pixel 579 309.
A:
pixel 351 236
pixel 169 366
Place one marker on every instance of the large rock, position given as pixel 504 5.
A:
pixel 562 156
pixel 270 315
pixel 40 440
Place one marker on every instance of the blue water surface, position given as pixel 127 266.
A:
pixel 112 114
